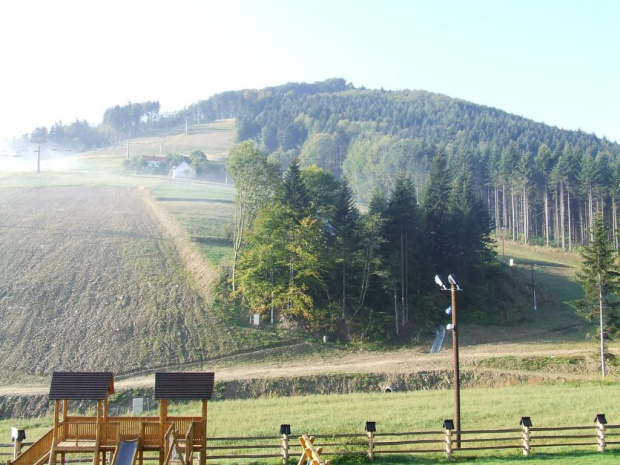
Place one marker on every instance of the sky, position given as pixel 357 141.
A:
pixel 551 61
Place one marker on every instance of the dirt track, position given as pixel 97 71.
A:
pixel 396 362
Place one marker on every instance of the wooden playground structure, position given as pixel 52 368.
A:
pixel 123 440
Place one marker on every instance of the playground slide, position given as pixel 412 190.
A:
pixel 126 453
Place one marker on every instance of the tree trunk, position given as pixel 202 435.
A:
pixel 600 298
pixel 570 235
pixel 591 214
pixel 563 232
pixel 514 215
pixel 504 206
pixel 525 216
pixel 614 219
pixel 396 309
pixel 498 224
pixel 547 214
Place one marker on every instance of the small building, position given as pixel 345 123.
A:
pixel 154 161
pixel 183 170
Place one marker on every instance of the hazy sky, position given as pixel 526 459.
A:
pixel 551 61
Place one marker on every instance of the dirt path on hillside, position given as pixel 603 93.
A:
pixel 403 361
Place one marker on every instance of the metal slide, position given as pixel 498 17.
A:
pixel 126 453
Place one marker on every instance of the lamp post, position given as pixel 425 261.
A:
pixel 454 286
pixel 503 228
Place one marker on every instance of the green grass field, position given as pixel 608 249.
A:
pixel 547 405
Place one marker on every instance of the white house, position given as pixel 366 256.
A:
pixel 183 170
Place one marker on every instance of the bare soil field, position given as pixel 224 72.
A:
pixel 91 280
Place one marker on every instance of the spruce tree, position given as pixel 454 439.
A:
pixel 295 192
pixel 600 279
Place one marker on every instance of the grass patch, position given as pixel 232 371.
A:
pixel 536 363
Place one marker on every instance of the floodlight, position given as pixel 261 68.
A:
pixel 449 310
pixel 450 327
pixel 452 280
pixel 440 281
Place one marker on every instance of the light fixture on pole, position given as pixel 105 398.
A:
pixel 453 287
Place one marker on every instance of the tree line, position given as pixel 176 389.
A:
pixel 542 184
pixel 305 254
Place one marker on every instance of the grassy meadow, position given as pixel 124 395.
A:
pixel 547 405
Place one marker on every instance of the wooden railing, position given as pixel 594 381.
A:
pixel 171 447
pixel 110 433
pixel 36 451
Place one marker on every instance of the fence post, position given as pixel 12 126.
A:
pixel 285 431
pixel 526 424
pixel 17 435
pixel 600 421
pixel 448 426
pixel 370 428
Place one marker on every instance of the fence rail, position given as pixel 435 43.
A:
pixel 598 436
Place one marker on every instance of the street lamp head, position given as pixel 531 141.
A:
pixel 440 281
pixel 450 327
pixel 452 280
pixel 449 310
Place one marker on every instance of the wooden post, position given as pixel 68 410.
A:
pixel 284 449
pixel 203 452
pixel 17 448
pixel 448 443
pixel 600 434
pixel 371 445
pixel 65 414
pixel 163 417
pixel 526 441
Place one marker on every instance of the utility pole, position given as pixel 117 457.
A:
pixel 534 288
pixel 457 377
pixel 38 142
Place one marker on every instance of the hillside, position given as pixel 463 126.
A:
pixel 92 278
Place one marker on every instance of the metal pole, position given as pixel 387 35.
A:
pixel 534 288
pixel 457 380
pixel 38 157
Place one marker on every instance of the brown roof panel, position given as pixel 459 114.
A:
pixel 186 386
pixel 81 385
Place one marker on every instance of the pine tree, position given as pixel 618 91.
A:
pixel 401 220
pixel 435 209
pixel 600 279
pixel 295 192
pixel 345 226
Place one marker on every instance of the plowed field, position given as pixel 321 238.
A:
pixel 89 280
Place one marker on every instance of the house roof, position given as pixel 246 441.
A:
pixel 154 158
pixel 185 386
pixel 81 385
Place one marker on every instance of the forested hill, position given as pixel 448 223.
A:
pixel 538 180
pixel 371 135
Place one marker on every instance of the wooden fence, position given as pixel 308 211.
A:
pixel 598 436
